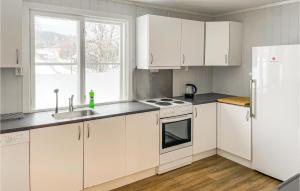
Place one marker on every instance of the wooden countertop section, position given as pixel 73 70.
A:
pixel 241 101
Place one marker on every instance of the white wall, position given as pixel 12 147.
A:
pixel 11 86
pixel 270 26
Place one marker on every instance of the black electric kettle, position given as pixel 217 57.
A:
pixel 190 90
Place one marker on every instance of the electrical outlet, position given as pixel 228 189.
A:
pixel 19 71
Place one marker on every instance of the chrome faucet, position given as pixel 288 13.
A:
pixel 56 107
pixel 71 106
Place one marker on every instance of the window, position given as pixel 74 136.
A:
pixel 75 55
pixel 103 60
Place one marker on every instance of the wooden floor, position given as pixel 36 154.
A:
pixel 214 173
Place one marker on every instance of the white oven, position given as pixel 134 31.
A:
pixel 176 133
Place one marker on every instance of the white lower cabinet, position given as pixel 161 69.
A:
pixel 142 141
pixel 234 130
pixel 104 150
pixel 56 158
pixel 80 155
pixel 205 126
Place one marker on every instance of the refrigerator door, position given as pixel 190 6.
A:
pixel 276 101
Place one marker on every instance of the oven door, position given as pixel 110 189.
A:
pixel 175 133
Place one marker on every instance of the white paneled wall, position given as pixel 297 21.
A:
pixel 11 86
pixel 270 26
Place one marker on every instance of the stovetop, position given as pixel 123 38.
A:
pixel 165 102
pixel 170 107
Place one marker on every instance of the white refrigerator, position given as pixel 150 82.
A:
pixel 275 110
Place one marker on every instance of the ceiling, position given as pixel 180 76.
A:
pixel 212 7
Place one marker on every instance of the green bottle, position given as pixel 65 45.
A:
pixel 92 103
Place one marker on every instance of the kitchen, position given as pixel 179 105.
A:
pixel 152 51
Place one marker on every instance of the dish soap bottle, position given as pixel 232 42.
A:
pixel 92 103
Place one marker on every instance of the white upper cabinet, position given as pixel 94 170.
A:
pixel 205 127
pixel 56 158
pixel 11 33
pixel 234 130
pixel 192 43
pixel 223 43
pixel 104 150
pixel 142 141
pixel 158 42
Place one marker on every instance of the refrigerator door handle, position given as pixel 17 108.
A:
pixel 253 98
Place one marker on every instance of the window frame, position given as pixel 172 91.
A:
pixel 125 67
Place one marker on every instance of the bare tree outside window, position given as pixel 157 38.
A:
pixel 102 46
pixel 103 60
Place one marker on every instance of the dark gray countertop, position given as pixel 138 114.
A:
pixel 203 98
pixel 44 119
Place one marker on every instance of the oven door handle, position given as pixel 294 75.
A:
pixel 178 118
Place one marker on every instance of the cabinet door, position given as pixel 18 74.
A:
pixel 234 130
pixel 56 155
pixel 142 141
pixel 192 43
pixel 205 127
pixel 217 44
pixel 104 150
pixel 11 27
pixel 164 41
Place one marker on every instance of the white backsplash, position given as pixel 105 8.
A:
pixel 199 76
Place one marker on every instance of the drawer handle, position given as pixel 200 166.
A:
pixel 196 112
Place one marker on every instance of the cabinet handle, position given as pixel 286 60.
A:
pixel 17 56
pixel 157 119
pixel 226 58
pixel 88 130
pixel 151 61
pixel 248 115
pixel 183 59
pixel 196 112
pixel 79 133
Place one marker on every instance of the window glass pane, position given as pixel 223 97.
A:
pixel 56 54
pixel 104 80
pixel 102 42
pixel 50 77
pixel 56 40
pixel 102 49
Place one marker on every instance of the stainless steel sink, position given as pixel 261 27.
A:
pixel 73 114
